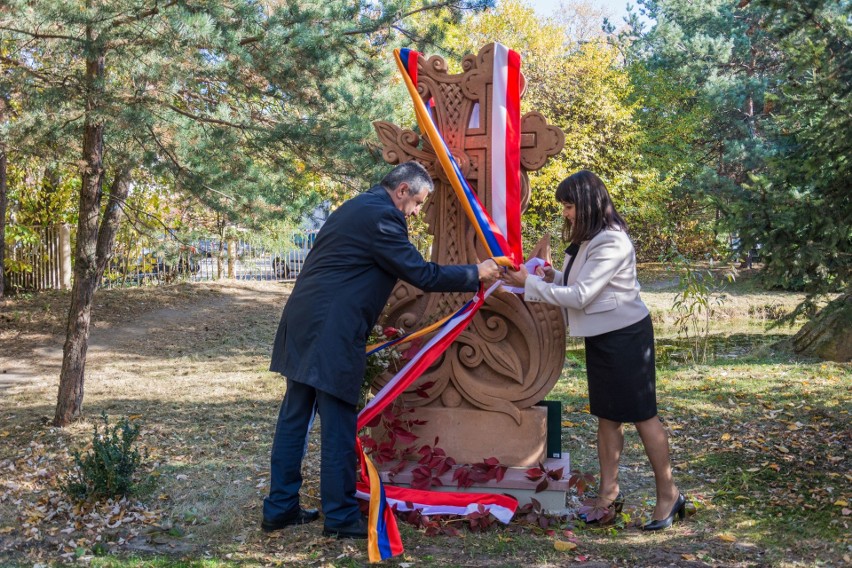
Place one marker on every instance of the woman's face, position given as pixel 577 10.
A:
pixel 568 211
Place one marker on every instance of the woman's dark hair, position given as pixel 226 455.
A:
pixel 594 209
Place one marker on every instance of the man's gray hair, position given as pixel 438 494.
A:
pixel 412 173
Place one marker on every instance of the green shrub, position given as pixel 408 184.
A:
pixel 108 469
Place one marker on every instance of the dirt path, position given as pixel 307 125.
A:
pixel 140 322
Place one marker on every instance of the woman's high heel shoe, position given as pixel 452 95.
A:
pixel 679 510
pixel 618 504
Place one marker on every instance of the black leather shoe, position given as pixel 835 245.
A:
pixel 679 510
pixel 358 530
pixel 299 516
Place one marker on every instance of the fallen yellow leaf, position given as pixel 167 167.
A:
pixel 689 557
pixel 726 437
pixel 726 537
pixel 564 545
pixel 841 503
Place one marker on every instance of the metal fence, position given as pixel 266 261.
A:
pixel 44 260
pixel 212 259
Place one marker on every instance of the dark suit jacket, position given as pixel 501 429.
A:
pixel 360 252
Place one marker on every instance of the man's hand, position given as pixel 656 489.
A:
pixel 489 270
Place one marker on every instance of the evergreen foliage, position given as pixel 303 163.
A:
pixel 749 105
pixel 108 469
pixel 704 69
pixel 800 209
pixel 242 104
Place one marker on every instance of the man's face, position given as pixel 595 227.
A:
pixel 410 204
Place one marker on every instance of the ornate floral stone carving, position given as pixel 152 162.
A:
pixel 513 352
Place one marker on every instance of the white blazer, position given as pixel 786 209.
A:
pixel 601 293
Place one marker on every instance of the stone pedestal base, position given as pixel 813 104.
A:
pixel 514 483
pixel 470 435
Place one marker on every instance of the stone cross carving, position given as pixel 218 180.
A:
pixel 513 352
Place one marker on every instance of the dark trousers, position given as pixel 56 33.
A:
pixel 338 461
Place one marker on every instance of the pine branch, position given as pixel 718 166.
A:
pixel 250 40
pixel 401 17
pixel 210 120
pixel 140 16
pixel 134 216
pixel 17 64
pixel 37 35
pixel 181 169
pixel 410 35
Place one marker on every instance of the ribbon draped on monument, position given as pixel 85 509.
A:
pixel 501 237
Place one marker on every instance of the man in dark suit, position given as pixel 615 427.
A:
pixel 359 254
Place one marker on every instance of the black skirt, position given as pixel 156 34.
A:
pixel 621 374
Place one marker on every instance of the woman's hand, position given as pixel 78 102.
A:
pixel 546 272
pixel 516 278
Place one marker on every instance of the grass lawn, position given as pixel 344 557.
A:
pixel 760 443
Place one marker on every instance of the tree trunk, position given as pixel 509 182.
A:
pixel 232 257
pixel 95 238
pixel 2 221
pixel 69 403
pixel 829 334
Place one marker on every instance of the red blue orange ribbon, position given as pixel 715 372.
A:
pixel 383 535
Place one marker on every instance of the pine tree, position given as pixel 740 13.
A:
pixel 804 203
pixel 241 103
pixel 704 69
pixel 801 207
pixel 772 81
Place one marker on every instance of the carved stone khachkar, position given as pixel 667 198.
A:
pixel 484 388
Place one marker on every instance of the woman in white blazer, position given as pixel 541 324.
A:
pixel 599 291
